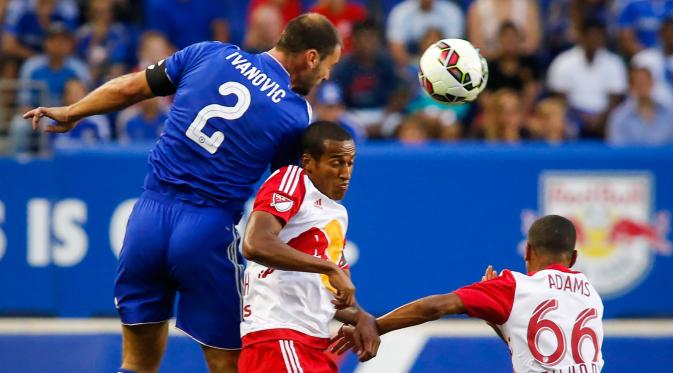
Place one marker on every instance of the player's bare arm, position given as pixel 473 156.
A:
pixel 114 95
pixel 261 245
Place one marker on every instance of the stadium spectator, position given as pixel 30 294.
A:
pixel 410 20
pixel 417 129
pixel 591 79
pixel 639 22
pixel 102 42
pixel 147 124
pixel 328 106
pixel 367 78
pixel 660 63
pixel 89 131
pixel 185 22
pixel 288 8
pixel 510 68
pixel 503 119
pixel 25 26
pixel 55 67
pixel 343 14
pixel 152 48
pixel 485 17
pixel 548 122
pixel 265 27
pixel 641 120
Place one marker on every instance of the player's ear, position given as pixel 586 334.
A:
pixel 306 162
pixel 528 251
pixel 312 58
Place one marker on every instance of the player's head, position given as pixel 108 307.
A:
pixel 311 46
pixel 551 240
pixel 328 152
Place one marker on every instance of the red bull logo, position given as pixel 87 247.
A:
pixel 618 234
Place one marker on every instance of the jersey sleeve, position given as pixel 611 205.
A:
pixel 282 194
pixel 490 300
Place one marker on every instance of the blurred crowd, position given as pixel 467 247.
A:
pixel 560 70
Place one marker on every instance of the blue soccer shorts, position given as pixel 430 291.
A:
pixel 173 247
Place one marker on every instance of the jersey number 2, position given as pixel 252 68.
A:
pixel 538 323
pixel 212 142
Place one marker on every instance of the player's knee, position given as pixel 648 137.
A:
pixel 221 361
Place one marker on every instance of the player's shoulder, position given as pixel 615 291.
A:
pixel 288 180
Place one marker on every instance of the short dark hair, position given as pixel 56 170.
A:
pixel 314 137
pixel 590 23
pixel 552 234
pixel 368 24
pixel 309 31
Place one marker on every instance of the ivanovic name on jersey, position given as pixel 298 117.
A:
pixel 256 77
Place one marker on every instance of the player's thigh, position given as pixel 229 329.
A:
pixel 206 264
pixel 144 291
pixel 143 346
pixel 284 356
pixel 221 361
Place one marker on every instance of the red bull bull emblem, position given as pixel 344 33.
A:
pixel 618 233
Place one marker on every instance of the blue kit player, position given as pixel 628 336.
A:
pixel 234 114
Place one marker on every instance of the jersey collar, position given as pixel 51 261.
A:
pixel 555 267
pixel 278 62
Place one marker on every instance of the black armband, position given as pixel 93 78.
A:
pixel 158 80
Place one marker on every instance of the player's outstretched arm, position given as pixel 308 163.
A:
pixel 114 95
pixel 421 311
pixel 261 245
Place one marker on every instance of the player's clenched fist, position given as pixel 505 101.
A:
pixel 345 296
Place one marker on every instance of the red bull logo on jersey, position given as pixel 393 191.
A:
pixel 619 234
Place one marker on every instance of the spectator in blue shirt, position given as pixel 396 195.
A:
pixel 102 42
pixel 186 22
pixel 53 69
pixel 89 131
pixel 641 120
pixel 639 23
pixel 147 124
pixel 367 77
pixel 329 106
pixel 25 27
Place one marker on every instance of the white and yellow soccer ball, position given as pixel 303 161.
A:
pixel 453 71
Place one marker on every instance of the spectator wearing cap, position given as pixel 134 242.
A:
pixel 26 26
pixel 590 78
pixel 410 20
pixel 641 120
pixel 329 106
pixel 367 78
pixel 639 22
pixel 660 63
pixel 343 14
pixel 102 42
pixel 485 18
pixel 53 68
pixel 185 22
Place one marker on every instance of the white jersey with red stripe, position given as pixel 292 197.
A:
pixel 313 224
pixel 551 319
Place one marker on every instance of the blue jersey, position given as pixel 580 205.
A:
pixel 234 114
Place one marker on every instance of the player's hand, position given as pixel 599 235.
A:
pixel 489 274
pixel 59 114
pixel 362 338
pixel 345 296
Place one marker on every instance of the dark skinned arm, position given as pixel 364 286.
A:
pixel 261 245
pixel 114 95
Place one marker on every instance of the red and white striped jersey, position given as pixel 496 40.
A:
pixel 551 319
pixel 295 301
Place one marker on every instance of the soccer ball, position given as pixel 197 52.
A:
pixel 453 71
